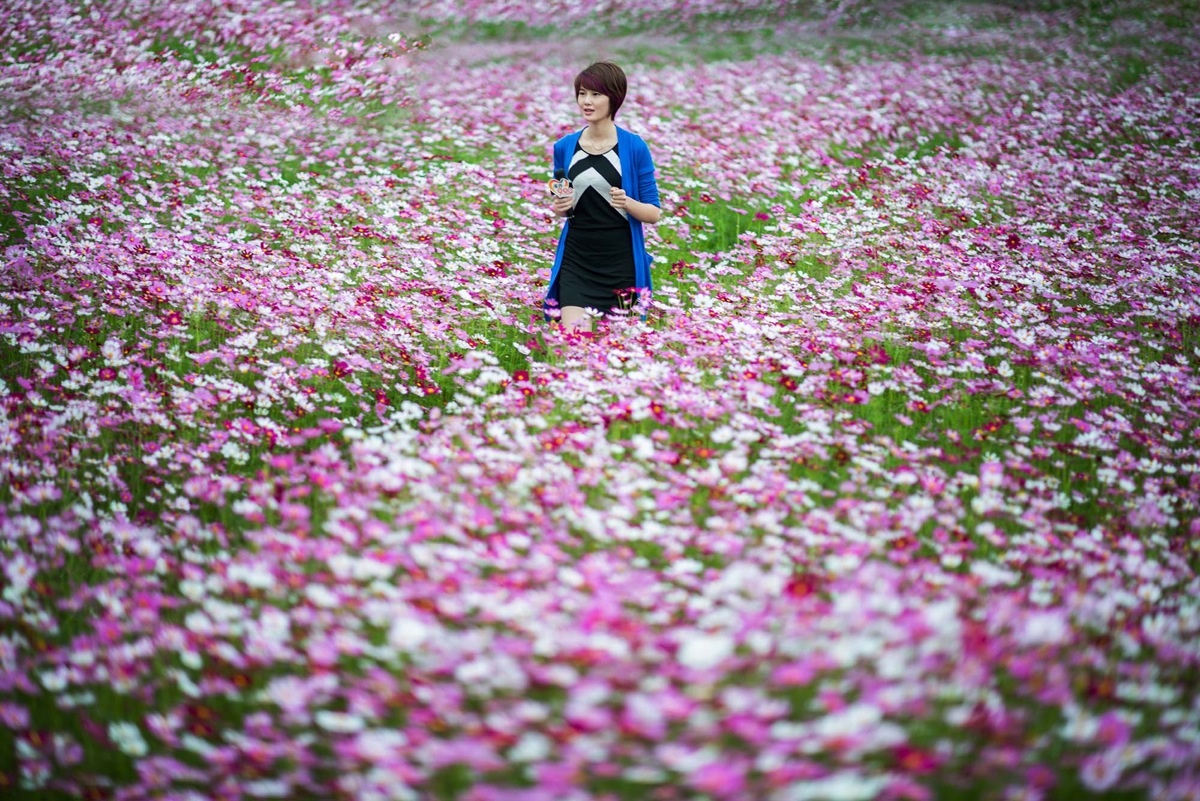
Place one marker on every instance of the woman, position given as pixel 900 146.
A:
pixel 601 260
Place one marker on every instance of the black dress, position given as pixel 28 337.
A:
pixel 597 264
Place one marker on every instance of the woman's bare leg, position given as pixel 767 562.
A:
pixel 575 318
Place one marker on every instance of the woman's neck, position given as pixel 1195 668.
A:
pixel 602 130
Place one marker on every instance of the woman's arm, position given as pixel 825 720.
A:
pixel 642 212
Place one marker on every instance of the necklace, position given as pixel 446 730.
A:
pixel 598 149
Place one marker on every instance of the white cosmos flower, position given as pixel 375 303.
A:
pixel 701 650
pixel 377 745
pixel 407 633
pixel 128 738
pixel 193 743
pixel 1044 628
pixel 274 624
pixel 199 623
pixel 19 571
pixel 256 575
pixel 532 747
pixel 111 351
pixel 267 788
pixel 845 786
pixel 322 596
pixel 54 680
pixel 338 722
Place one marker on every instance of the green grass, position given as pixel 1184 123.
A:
pixel 881 151
pixel 720 227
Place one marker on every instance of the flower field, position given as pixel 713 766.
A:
pixel 890 488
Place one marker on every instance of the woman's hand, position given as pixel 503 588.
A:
pixel 561 205
pixel 643 212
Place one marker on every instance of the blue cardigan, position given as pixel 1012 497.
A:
pixel 637 179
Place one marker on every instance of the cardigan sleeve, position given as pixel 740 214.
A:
pixel 647 185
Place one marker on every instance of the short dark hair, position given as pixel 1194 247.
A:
pixel 606 78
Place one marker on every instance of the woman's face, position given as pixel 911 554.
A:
pixel 593 104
